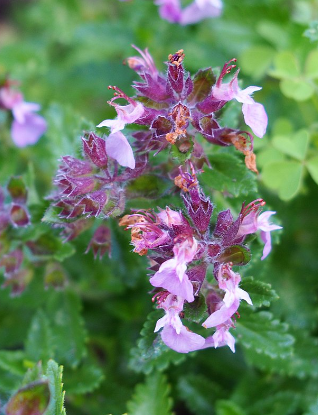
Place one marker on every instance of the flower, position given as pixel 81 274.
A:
pixel 174 334
pixel 254 113
pixel 26 127
pixel 172 273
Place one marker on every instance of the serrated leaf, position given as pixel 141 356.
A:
pixel 40 343
pixel 32 399
pixel 312 166
pixel 285 177
pixel 228 174
pixel 260 292
pixel 203 81
pixel 263 334
pixel 151 397
pixel 12 361
pixel 196 310
pixel 151 353
pixel 311 67
pixel 286 66
pixel 228 408
pixel 298 89
pixel 54 376
pixel 295 146
pixel 281 403
pixel 83 379
pixel 68 327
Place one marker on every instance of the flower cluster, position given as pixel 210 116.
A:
pixel 27 127
pixel 175 107
pixel 182 246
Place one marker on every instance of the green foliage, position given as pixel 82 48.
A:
pixel 197 310
pixel 261 293
pixel 54 376
pixel 151 397
pixel 228 408
pixel 202 83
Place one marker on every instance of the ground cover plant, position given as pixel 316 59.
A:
pixel 159 168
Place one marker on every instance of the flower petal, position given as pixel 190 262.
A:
pixel 118 147
pixel 185 342
pixel 256 118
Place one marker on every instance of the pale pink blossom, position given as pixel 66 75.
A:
pixel 170 217
pixel 143 64
pixel 254 113
pixel 172 273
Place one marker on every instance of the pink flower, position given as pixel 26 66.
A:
pixel 126 114
pixel 143 64
pixel 172 273
pixel 253 221
pixel 229 282
pixel 26 127
pixel 174 334
pixel 170 217
pixel 254 113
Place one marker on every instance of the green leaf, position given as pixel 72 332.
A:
pixel 285 177
pixel 255 60
pixel 298 89
pixel 260 292
pixel 68 327
pixel 263 334
pixel 286 66
pixel 83 379
pixel 295 146
pixel 17 189
pixel 151 353
pixel 313 409
pixel 312 166
pixel 39 344
pixel 148 186
pixel 231 115
pixel 269 155
pixel 311 67
pixel 12 361
pixel 312 31
pixel 228 174
pixel 54 376
pixel 151 397
pixel 228 408
pixel 182 149
pixel 197 310
pixel 237 254
pixel 203 81
pixel 32 399
pixel 199 393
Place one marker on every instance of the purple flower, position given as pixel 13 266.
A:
pixel 174 334
pixel 253 221
pixel 27 127
pixel 254 114
pixel 198 10
pixel 143 64
pixel 172 273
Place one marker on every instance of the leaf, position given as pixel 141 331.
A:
pixel 203 81
pixel 286 66
pixel 295 146
pixel 151 353
pixel 231 115
pixel 54 376
pixel 39 344
pixel 255 60
pixel 228 408
pixel 285 177
pixel 17 189
pixel 311 67
pixel 68 327
pixel 263 334
pixel 260 292
pixel 237 254
pixel 228 174
pixel 12 361
pixel 298 89
pixel 182 149
pixel 312 31
pixel 151 397
pixel 197 310
pixel 32 399
pixel 199 393
pixel 83 379
pixel 312 166
pixel 148 186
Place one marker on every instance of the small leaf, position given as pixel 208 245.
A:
pixel 12 361
pixel 151 397
pixel 54 376
pixel 196 310
pixel 261 293
pixel 203 81
pixel 33 399
pixel 263 334
pixel 285 177
pixel 298 89
pixel 228 408
pixel 255 60
pixel 295 146
pixel 286 66
pixel 238 254
pixel 311 67
pixel 312 166
pixel 83 379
